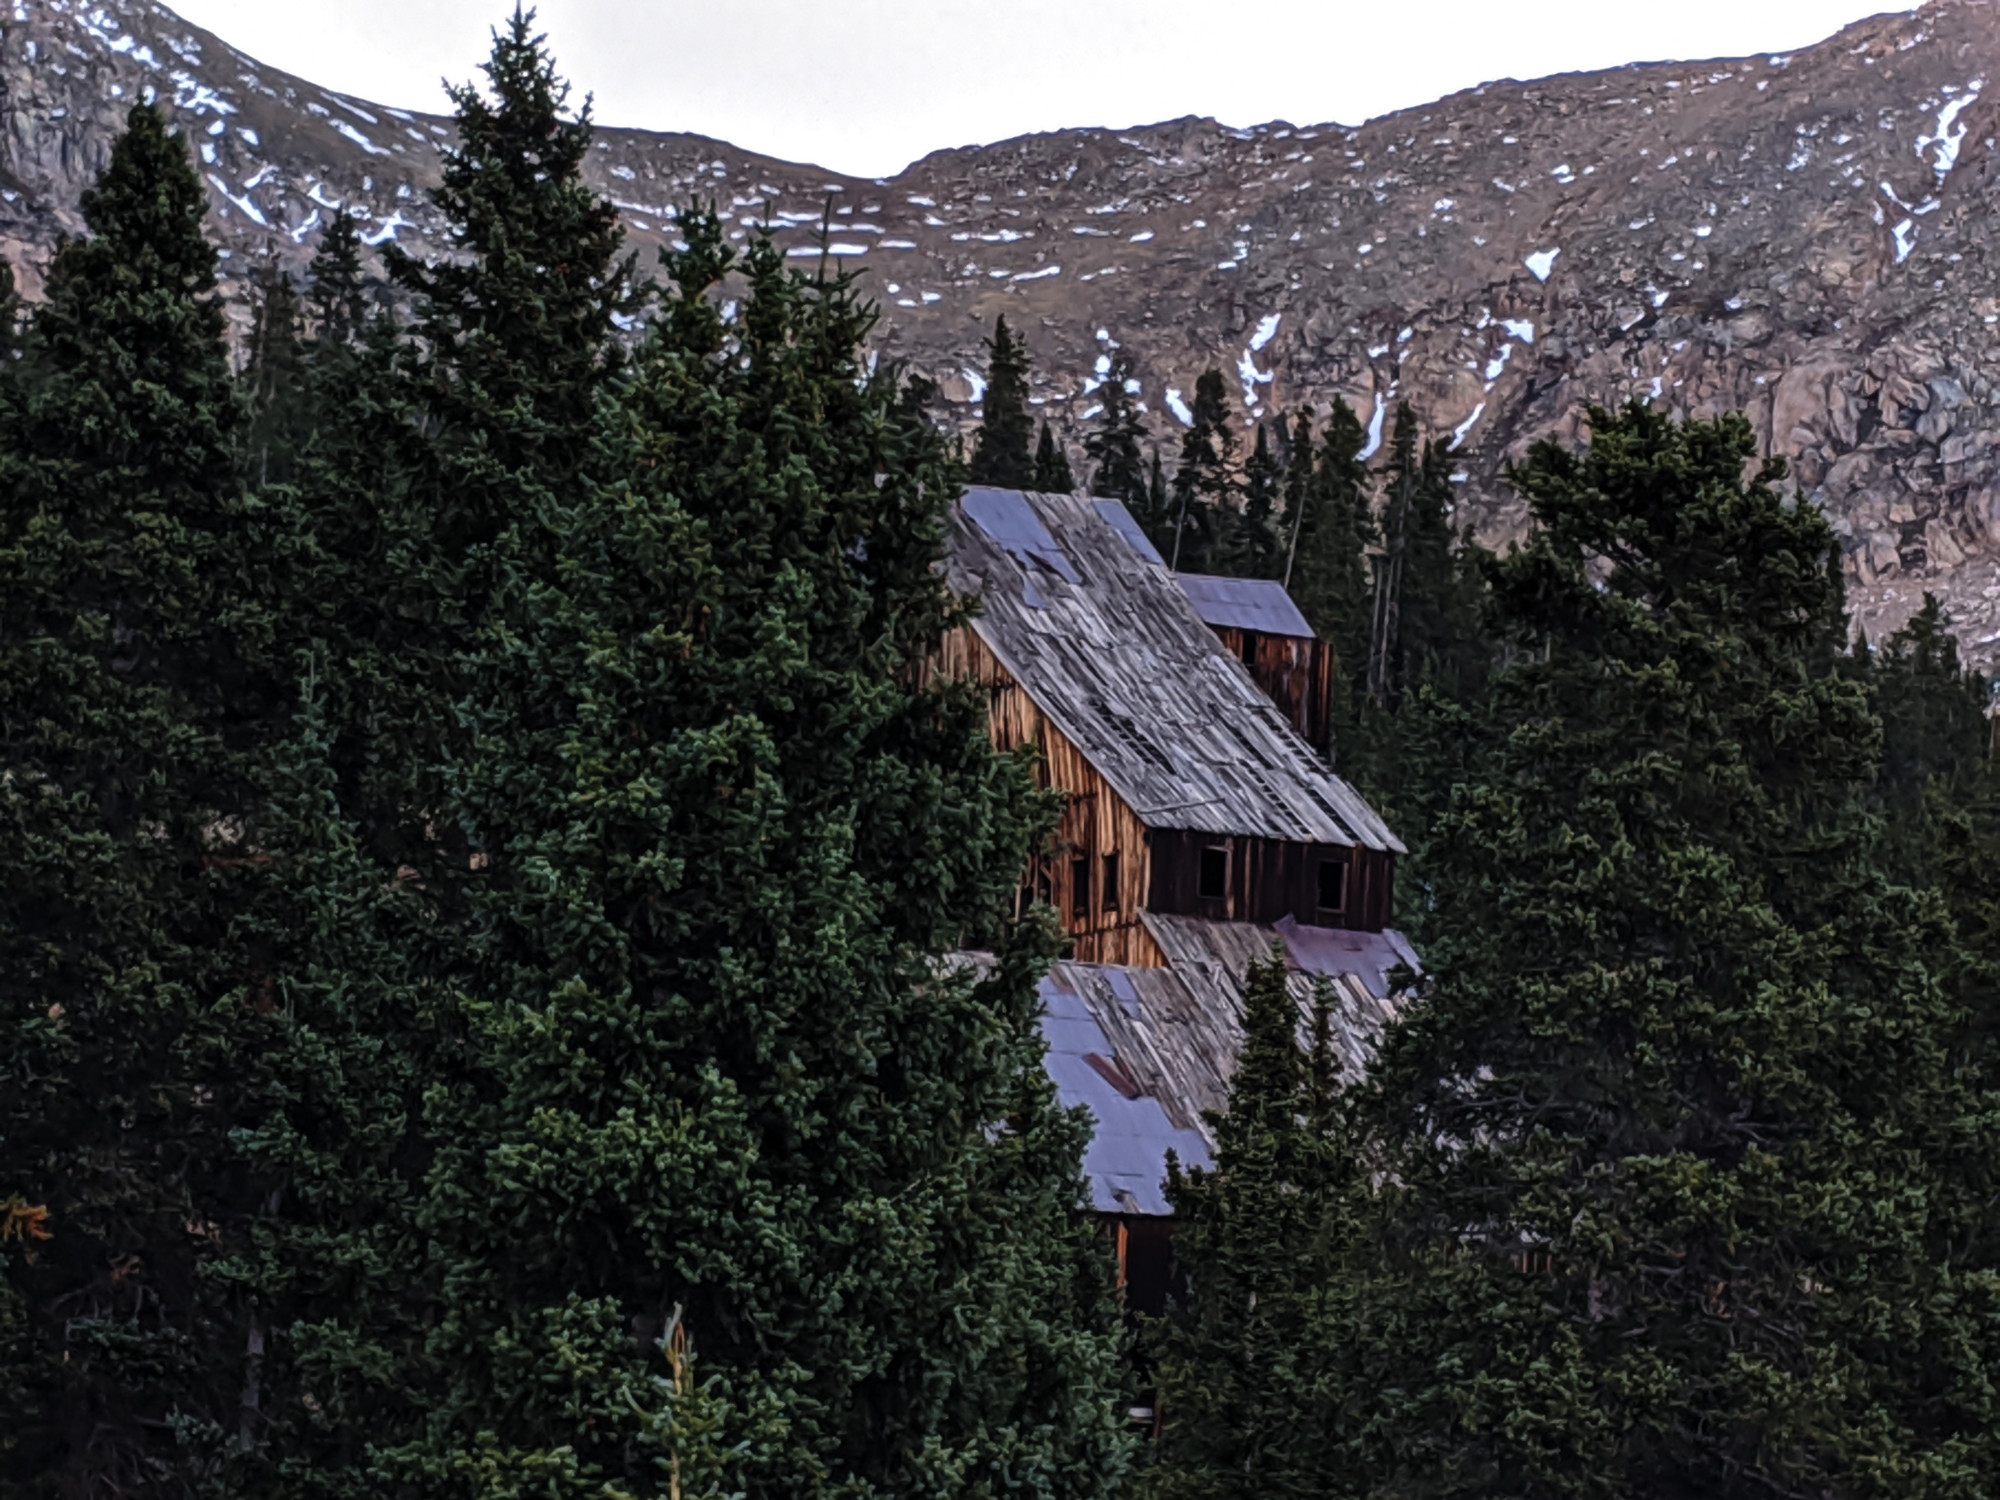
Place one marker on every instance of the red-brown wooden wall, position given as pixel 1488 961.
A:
pixel 1295 672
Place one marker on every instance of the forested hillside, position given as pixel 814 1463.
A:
pixel 1799 237
pixel 511 975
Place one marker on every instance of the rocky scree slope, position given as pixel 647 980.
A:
pixel 1801 237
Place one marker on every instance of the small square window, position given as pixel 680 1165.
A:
pixel 1079 886
pixel 1249 649
pixel 1109 901
pixel 1333 885
pixel 1215 873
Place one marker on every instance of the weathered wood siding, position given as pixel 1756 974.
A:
pixel 1096 822
pixel 1295 672
pixel 1269 879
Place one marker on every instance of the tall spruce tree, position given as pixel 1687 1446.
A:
pixel 1256 1357
pixel 1052 474
pixel 1112 444
pixel 1440 637
pixel 274 373
pixel 1402 495
pixel 724 1085
pixel 1301 459
pixel 1932 708
pixel 1694 1189
pixel 10 313
pixel 1331 525
pixel 1158 514
pixel 134 684
pixel 336 298
pixel 1251 545
pixel 514 332
pixel 481 424
pixel 1205 509
pixel 1002 449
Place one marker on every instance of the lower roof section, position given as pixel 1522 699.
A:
pixel 1150 1052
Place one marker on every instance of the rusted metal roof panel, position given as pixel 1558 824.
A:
pixel 1328 951
pixel 1259 604
pixel 1115 655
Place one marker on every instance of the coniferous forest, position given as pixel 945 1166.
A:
pixel 482 866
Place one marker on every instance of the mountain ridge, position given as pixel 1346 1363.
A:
pixel 1793 235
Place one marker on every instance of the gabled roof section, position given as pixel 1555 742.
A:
pixel 1244 604
pixel 1226 603
pixel 1166 1041
pixel 1114 654
pixel 1127 525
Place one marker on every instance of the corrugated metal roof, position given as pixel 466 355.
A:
pixel 1175 1034
pixel 1150 1052
pixel 1368 956
pixel 1244 604
pixel 1126 1160
pixel 1113 652
pixel 1016 527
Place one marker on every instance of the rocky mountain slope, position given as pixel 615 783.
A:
pixel 1800 237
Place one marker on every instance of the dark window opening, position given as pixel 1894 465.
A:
pixel 1079 886
pixel 1249 651
pixel 1215 873
pixel 1333 885
pixel 1110 898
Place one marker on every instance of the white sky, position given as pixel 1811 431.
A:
pixel 865 86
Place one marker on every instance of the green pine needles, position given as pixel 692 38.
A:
pixel 483 872
pixel 1680 1165
pixel 1003 448
pixel 486 877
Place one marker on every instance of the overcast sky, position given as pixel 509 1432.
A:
pixel 866 86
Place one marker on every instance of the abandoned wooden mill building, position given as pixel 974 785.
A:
pixel 1202 826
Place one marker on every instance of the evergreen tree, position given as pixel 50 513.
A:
pixel 1402 489
pixel 134 683
pixel 1251 547
pixel 919 401
pixel 1933 709
pixel 1113 444
pixel 722 1079
pixel 10 313
pixel 513 332
pixel 1001 454
pixel 1934 736
pixel 1255 1357
pixel 330 1273
pixel 1052 475
pixel 1441 637
pixel 1204 500
pixel 1330 523
pixel 1157 517
pixel 480 425
pixel 274 373
pixel 1301 458
pixel 337 298
pixel 1695 1190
